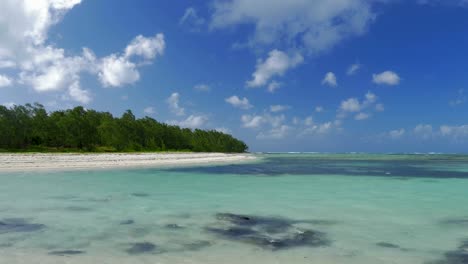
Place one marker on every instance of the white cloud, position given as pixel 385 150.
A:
pixel 456 133
pixel 9 104
pixel 273 86
pixel 423 131
pixel 5 81
pixel 319 109
pixel 202 87
pixel 146 48
pixel 309 121
pixel 317 129
pixel 330 80
pixel 379 107
pixel 350 105
pixel 24 49
pixel 7 64
pixel 276 64
pixel 174 106
pixel 387 78
pixel 25 24
pixel 314 26
pixel 223 130
pixel 193 121
pixel 149 110
pixel 459 3
pixel 353 69
pixel 370 98
pixel 362 116
pixel 78 94
pixel 363 109
pixel 192 19
pixel 252 121
pixel 238 102
pixel 275 133
pixel 118 71
pixel 279 108
pixel 461 98
pixel 396 134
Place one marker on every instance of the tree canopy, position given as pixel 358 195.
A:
pixel 31 127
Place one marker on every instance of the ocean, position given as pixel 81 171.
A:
pixel 281 208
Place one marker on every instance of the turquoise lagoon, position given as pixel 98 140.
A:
pixel 283 208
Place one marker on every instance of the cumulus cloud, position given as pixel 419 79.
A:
pixel 330 80
pixel 25 51
pixel 276 64
pixel 252 121
pixel 78 94
pixel 353 69
pixel 423 131
pixel 273 86
pixel 396 134
pixel 147 48
pixel 223 130
pixel 173 102
pixel 279 108
pixel 5 81
pixel 314 26
pixel 202 87
pixel 362 116
pixel 361 109
pixel 386 78
pixel 317 129
pixel 149 110
pixel 319 109
pixel 351 105
pixel 238 102
pixel 456 133
pixel 192 121
pixel 9 104
pixel 118 71
pixel 275 132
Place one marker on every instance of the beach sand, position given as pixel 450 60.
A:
pixel 58 161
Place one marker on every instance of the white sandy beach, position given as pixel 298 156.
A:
pixel 35 161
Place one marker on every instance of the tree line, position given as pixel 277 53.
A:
pixel 31 128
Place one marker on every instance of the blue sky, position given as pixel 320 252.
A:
pixel 299 75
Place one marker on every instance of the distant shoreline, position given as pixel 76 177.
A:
pixel 23 162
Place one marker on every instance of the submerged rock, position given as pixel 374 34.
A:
pixel 267 224
pixel 387 245
pixel 267 232
pixel 197 245
pixel 11 225
pixel 461 222
pixel 140 194
pixel 141 248
pixel 127 222
pixel 458 256
pixel 174 226
pixel 66 252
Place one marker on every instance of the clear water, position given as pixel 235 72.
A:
pixel 360 208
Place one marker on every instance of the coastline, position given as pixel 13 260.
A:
pixel 22 162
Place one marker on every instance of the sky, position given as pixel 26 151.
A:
pixel 298 75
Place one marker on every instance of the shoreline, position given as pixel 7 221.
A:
pixel 23 162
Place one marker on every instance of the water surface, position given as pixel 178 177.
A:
pixel 301 208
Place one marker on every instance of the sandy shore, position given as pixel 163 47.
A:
pixel 40 161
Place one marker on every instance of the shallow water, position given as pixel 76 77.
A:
pixel 301 208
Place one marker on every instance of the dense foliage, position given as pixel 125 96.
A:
pixel 31 127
